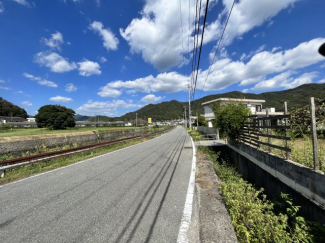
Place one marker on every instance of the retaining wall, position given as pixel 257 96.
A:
pixel 209 130
pixel 34 144
pixel 275 174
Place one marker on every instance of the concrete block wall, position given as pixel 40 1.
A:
pixel 209 130
pixel 275 174
pixel 33 145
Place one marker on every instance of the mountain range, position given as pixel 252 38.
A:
pixel 169 110
pixel 295 98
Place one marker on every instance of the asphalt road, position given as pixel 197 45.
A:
pixel 132 195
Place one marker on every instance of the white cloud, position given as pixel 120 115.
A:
pixel 108 108
pixel 127 58
pixel 87 68
pixel 107 92
pixel 55 41
pixel 245 56
pixel 103 59
pixel 246 15
pixel 157 35
pixel 226 72
pixel 110 42
pixel 321 81
pixel 171 82
pixel 140 84
pixel 32 77
pixel 5 88
pixel 22 2
pixel 70 87
pixel 2 81
pixel 284 80
pixel 48 83
pixel 26 103
pixel 40 80
pixel 61 99
pixel 55 62
pixel 150 98
pixel 1 7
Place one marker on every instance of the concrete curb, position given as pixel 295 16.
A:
pixel 211 220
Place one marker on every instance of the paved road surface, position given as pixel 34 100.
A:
pixel 133 195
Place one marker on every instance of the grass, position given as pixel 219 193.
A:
pixel 43 131
pixel 301 151
pixel 29 170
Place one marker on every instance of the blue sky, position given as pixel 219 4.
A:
pixel 103 57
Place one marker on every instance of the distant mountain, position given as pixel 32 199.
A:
pixel 81 117
pixel 163 111
pixel 9 109
pixel 296 98
pixel 101 119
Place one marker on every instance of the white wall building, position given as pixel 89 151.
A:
pixel 255 106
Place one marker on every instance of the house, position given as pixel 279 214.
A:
pixel 255 106
pixel 31 119
pixel 5 119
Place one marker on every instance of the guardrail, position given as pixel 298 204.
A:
pixel 28 160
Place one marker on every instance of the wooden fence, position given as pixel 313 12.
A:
pixel 256 127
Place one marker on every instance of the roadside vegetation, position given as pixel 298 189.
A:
pixel 9 132
pixel 29 170
pixel 301 150
pixel 257 218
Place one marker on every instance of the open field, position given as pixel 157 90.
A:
pixel 44 131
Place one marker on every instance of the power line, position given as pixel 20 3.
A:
pixel 215 53
pixel 198 63
pixel 196 32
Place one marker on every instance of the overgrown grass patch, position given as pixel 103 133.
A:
pixel 257 218
pixel 43 131
pixel 301 150
pixel 196 135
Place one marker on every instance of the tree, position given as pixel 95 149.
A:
pixel 201 121
pixel 55 117
pixel 9 109
pixel 230 119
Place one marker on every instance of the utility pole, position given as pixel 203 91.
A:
pixel 136 119
pixel 185 121
pixel 189 106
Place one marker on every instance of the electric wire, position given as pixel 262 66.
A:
pixel 196 32
pixel 216 51
pixel 198 63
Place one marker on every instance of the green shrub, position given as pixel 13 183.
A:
pixel 230 119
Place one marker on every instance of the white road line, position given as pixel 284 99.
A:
pixel 187 213
pixel 10 183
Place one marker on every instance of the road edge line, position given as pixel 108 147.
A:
pixel 187 213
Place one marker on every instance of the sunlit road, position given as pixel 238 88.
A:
pixel 132 195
